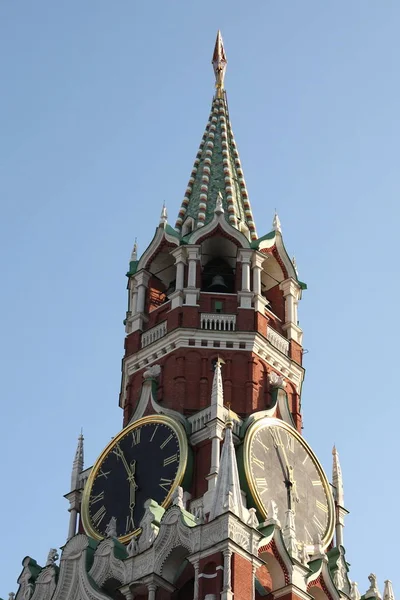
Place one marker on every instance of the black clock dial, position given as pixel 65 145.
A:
pixel 281 467
pixel 144 461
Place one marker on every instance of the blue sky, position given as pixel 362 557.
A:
pixel 102 109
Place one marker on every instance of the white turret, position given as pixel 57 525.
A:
pixel 163 216
pixel 228 495
pixel 388 593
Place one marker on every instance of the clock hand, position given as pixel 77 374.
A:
pixel 119 453
pixel 287 469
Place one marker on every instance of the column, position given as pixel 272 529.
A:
pixel 180 260
pixel 291 292
pixel 138 318
pixel 216 428
pixel 257 263
pixel 72 523
pixel 191 292
pixel 245 295
pixel 227 589
pixel 196 580
pixel 152 591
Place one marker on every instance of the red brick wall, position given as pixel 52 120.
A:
pixel 242 578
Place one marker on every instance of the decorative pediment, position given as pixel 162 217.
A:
pixel 108 562
pixel 74 582
pixel 27 578
pixel 177 529
pixel 46 583
pixel 163 237
pixel 219 226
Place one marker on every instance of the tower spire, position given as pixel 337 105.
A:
pixel 217 184
pixel 77 465
pixel 219 63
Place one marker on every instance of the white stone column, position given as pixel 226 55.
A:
pixel 257 263
pixel 291 292
pixel 191 292
pixel 196 580
pixel 245 295
pixel 73 519
pixel 216 429
pixel 180 260
pixel 227 589
pixel 138 318
pixel 151 587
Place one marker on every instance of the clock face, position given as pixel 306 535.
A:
pixel 145 460
pixel 280 466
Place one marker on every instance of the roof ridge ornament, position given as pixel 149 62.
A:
pixel 163 216
pixel 134 251
pixel 388 593
pixel 276 223
pixel 219 63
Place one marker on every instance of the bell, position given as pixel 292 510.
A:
pixel 217 284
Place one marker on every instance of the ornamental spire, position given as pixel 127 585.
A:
pixel 216 185
pixel 388 593
pixel 228 496
pixel 77 465
pixel 219 63
pixel 337 478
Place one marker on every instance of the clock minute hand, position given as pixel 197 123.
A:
pixel 119 453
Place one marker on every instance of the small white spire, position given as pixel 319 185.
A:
pixel 111 529
pixel 228 496
pixel 134 251
pixel 77 465
pixel 219 209
pixel 163 216
pixel 355 593
pixel 217 391
pixel 276 223
pixel 337 478
pixel 388 593
pixel 289 534
pixel 294 263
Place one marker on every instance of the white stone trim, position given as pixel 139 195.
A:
pixel 179 338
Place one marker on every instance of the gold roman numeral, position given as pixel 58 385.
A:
pixel 290 442
pixel 258 462
pixel 316 482
pixel 94 499
pixel 135 437
pixel 103 474
pixel 261 484
pixel 154 433
pixel 170 459
pixel 130 524
pixel 318 524
pixel 99 515
pixel 165 442
pixel 321 506
pixel 165 484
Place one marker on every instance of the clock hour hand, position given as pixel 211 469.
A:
pixel 287 469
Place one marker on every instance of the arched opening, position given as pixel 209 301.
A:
pixel 175 564
pixel 218 277
pixel 276 574
pixel 162 280
pixel 110 586
pixel 317 593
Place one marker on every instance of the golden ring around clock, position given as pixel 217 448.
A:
pixel 183 448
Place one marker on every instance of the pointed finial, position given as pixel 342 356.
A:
pixel 134 251
pixel 111 529
pixel 354 591
pixel 294 263
pixel 337 478
pixel 77 465
pixel 219 209
pixel 219 63
pixel 289 533
pixel 388 593
pixel 163 216
pixel 276 223
pixel 217 391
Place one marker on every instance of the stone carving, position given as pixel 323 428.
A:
pixel 105 564
pixel 111 529
pixel 276 381
pixel 219 209
pixel 177 497
pixel 252 520
pixel 273 510
pixel 52 557
pixel 373 591
pixel 303 555
pixel 25 581
pixel 152 372
pixel 133 547
pixel 11 596
pixel 354 592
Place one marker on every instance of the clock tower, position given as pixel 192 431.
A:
pixel 210 490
